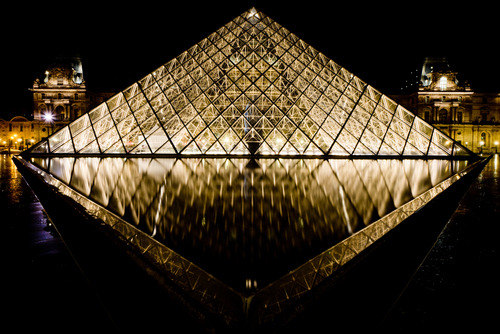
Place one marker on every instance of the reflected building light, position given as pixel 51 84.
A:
pixel 344 210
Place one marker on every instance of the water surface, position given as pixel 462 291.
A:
pixel 248 221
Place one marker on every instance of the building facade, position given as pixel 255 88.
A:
pixel 19 133
pixel 471 118
pixel 58 99
pixel 62 95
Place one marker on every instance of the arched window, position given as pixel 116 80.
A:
pixel 443 83
pixel 483 137
pixel 60 113
pixel 443 116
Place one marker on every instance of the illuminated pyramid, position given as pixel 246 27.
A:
pixel 251 87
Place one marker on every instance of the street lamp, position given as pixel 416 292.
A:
pixel 481 144
pixel 496 145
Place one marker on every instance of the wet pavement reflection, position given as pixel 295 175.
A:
pixel 249 221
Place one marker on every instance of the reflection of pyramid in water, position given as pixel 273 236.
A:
pixel 251 87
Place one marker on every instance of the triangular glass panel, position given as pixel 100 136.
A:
pixel 299 141
pixel 192 149
pixel 42 147
pixel 205 140
pixel 229 140
pixel 288 149
pixel 167 148
pixel 436 150
pixel 411 150
pixel 419 141
pixel 116 148
pixel 459 150
pixel 371 141
pixel 337 149
pixel 91 148
pixel 264 127
pixel 276 141
pixel 362 150
pixel 240 148
pixel 264 149
pixel 181 139
pixel 83 138
pixel 387 150
pixel 157 140
pixel 323 140
pixel 108 138
pixel 216 149
pixel 312 149
pixel 65 148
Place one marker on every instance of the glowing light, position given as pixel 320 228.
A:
pixel 443 83
pixel 48 117
pixel 481 143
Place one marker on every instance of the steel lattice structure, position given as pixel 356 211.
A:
pixel 251 87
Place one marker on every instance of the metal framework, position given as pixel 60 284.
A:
pixel 251 88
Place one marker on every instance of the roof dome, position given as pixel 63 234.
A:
pixel 19 119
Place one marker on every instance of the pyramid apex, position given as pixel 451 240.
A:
pixel 253 14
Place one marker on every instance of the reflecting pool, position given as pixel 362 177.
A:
pixel 249 221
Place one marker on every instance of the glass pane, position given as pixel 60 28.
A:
pixel 79 125
pixel 59 138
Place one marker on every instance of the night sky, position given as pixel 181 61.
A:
pixel 121 42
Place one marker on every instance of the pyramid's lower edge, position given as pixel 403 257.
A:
pixel 470 156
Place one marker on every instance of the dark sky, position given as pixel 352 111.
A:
pixel 120 42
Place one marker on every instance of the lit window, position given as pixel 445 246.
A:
pixel 443 83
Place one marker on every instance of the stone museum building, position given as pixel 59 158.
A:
pixel 58 98
pixel 471 118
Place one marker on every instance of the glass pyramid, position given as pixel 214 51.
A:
pixel 251 87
